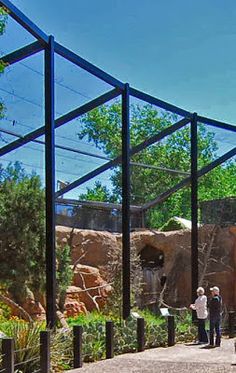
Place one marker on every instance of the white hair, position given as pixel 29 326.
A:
pixel 200 290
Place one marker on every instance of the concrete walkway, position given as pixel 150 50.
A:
pixel 179 359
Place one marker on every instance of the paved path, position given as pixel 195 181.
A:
pixel 177 359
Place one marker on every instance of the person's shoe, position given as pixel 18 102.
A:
pixel 210 346
pixel 217 345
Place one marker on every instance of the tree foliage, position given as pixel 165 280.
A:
pixel 102 126
pixel 22 260
pixel 99 193
pixel 22 236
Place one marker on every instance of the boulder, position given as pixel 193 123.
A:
pixel 73 304
pixel 88 246
pixel 93 289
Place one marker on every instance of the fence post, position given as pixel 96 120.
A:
pixel 77 344
pixel 231 323
pixel 140 334
pixel 8 355
pixel 109 339
pixel 171 331
pixel 45 351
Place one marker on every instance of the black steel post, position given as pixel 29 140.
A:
pixel 140 334
pixel 77 342
pixel 45 351
pixel 231 324
pixel 171 331
pixel 8 355
pixel 50 185
pixel 194 207
pixel 126 202
pixel 109 339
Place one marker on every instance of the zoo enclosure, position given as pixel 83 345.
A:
pixel 50 47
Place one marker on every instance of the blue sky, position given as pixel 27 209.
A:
pixel 182 51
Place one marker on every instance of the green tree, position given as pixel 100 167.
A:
pixel 102 126
pixel 22 237
pixel 22 262
pixel 99 193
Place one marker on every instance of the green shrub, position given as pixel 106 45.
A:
pixel 26 336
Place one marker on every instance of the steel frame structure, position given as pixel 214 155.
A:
pixel 50 47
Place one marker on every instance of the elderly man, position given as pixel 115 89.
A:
pixel 215 310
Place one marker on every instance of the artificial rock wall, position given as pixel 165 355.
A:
pixel 217 259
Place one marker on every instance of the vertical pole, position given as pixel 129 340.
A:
pixel 109 340
pixel 8 355
pixel 78 333
pixel 231 324
pixel 194 207
pixel 50 185
pixel 171 331
pixel 140 334
pixel 126 202
pixel 45 351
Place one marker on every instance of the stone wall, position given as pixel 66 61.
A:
pixel 217 257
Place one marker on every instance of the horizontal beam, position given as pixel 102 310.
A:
pixel 24 21
pixel 167 131
pixel 20 54
pixel 92 69
pixel 162 104
pixel 60 121
pixel 216 123
pixel 187 181
pixel 96 204
pixel 98 156
pixel 159 168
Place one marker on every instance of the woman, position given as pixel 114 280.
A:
pixel 200 306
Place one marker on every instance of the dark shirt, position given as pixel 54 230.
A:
pixel 215 307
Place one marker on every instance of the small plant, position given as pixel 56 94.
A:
pixel 26 337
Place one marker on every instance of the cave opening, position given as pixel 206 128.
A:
pixel 152 257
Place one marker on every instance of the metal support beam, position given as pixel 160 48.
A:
pixel 50 185
pixel 194 206
pixel 92 69
pixel 187 181
pixel 22 53
pixel 24 21
pixel 152 140
pixel 161 104
pixel 61 120
pixel 217 124
pixel 126 203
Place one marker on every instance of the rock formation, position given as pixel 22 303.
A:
pixel 217 262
